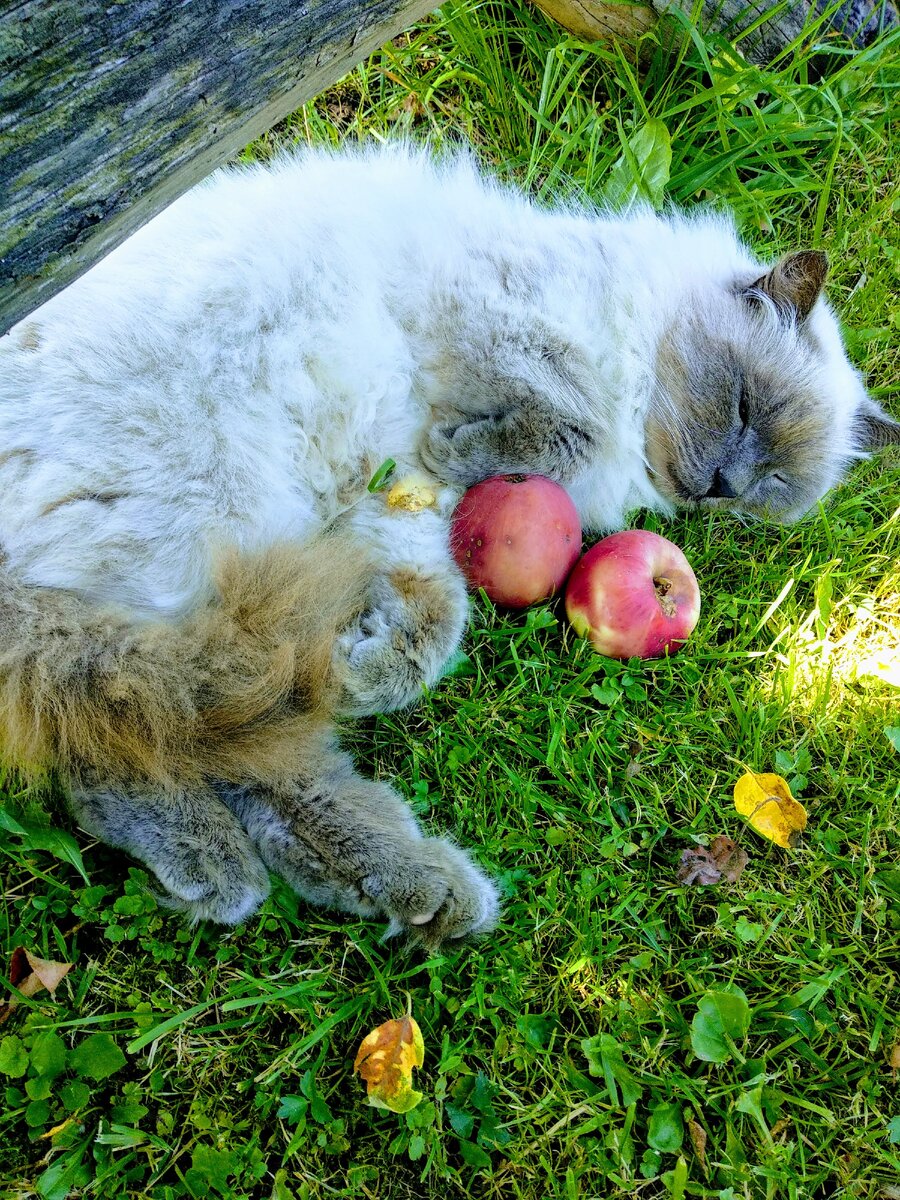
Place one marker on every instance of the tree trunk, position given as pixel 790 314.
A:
pixel 110 110
pixel 857 20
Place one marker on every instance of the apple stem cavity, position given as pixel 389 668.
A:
pixel 663 586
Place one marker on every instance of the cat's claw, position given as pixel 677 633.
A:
pixel 439 897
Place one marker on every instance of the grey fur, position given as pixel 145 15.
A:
pixel 353 844
pixel 201 856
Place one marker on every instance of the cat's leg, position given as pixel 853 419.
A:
pixel 527 439
pixel 191 842
pixel 415 610
pixel 511 397
pixel 350 843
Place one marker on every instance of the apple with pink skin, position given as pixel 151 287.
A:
pixel 516 536
pixel 634 595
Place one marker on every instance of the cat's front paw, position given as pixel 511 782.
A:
pixel 412 624
pixel 437 893
pixel 455 453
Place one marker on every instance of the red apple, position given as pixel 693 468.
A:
pixel 634 595
pixel 516 536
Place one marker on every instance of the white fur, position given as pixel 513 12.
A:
pixel 238 368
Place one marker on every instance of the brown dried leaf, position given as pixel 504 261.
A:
pixel 895 1059
pixel 385 1059
pixel 698 1141
pixel 722 859
pixel 31 975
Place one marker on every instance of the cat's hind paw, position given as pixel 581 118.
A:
pixel 210 889
pixel 439 896
pixel 204 863
pixel 412 625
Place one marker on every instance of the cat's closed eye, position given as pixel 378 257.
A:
pixel 743 410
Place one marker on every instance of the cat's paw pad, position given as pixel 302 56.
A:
pixel 400 643
pixel 438 896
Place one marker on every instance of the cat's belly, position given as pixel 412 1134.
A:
pixel 224 377
pixel 122 477
pixel 115 544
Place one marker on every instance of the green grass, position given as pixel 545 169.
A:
pixel 225 1061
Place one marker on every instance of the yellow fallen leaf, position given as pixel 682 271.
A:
pixel 767 803
pixel 413 493
pixel 385 1059
pixel 57 1128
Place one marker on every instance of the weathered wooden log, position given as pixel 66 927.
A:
pixel 768 26
pixel 109 110
pixel 596 22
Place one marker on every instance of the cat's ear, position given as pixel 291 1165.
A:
pixel 794 284
pixel 874 429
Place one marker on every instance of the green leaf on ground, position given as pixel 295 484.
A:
pixel 48 1054
pixel 666 1129
pixel 604 1055
pixel 722 1019
pixel 13 1057
pixel 97 1057
pixel 642 172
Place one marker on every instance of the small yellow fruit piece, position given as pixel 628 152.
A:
pixel 413 493
pixel 767 803
pixel 385 1060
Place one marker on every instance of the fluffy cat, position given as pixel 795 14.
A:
pixel 195 580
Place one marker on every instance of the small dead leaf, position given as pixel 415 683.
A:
pixel 385 1059
pixel 780 1126
pixel 704 866
pixel 698 1141
pixel 895 1059
pixel 633 766
pixel 413 493
pixel 31 975
pixel 767 803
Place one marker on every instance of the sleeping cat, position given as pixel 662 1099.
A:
pixel 195 579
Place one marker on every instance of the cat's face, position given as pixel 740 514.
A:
pixel 756 407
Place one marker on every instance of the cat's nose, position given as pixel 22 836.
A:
pixel 721 488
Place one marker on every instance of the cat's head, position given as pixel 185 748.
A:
pixel 756 407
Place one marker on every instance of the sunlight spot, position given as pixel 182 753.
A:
pixel 845 650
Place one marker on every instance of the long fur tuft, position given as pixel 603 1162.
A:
pixel 228 693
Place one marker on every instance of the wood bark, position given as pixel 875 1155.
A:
pixel 109 110
pixel 595 22
pixel 764 27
